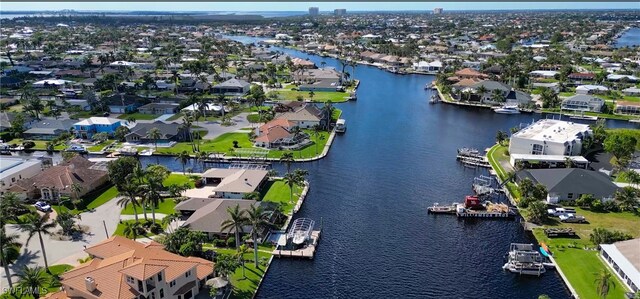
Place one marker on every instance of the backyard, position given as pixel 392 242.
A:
pixel 277 191
pixel 319 96
pixel 168 205
pixel 91 200
pixel 139 116
pixel 51 286
pixel 244 288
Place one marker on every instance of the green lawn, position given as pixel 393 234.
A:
pixel 92 200
pixel 567 94
pixel 168 205
pixel 175 116
pixel 253 118
pixel 599 115
pixel 496 154
pixel 100 146
pixel 139 116
pixel 624 98
pixel 278 192
pixel 40 144
pixel 319 96
pixel 224 144
pixel 55 270
pixel 579 265
pixel 244 288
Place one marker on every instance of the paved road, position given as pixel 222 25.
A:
pixel 65 252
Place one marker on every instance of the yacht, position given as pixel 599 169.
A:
pixel 76 148
pixel 341 126
pixel 523 259
pixel 507 109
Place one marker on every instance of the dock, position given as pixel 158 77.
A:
pixel 306 252
pixel 485 214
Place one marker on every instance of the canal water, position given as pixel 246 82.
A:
pixel 630 38
pixel 371 194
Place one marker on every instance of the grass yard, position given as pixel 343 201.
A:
pixel 319 96
pixel 566 94
pixel 139 116
pixel 224 144
pixel 100 146
pixel 253 118
pixel 92 200
pixel 175 116
pixel 40 144
pixel 166 207
pixel 277 191
pixel 624 98
pixel 579 265
pixel 245 287
pixel 497 154
pixel 51 288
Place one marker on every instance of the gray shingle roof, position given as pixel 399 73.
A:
pixel 572 180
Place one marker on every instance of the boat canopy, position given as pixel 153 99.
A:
pixel 301 228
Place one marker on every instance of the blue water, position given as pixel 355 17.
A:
pixel 629 39
pixel 371 193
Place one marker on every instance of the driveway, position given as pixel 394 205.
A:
pixel 215 129
pixel 66 252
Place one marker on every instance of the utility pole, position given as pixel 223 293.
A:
pixel 105 229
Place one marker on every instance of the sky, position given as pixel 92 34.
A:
pixel 303 6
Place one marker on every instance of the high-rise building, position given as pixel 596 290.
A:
pixel 340 12
pixel 314 11
pixel 437 11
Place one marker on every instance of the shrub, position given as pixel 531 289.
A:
pixel 231 241
pixel 235 144
pixel 155 228
pixel 198 184
pixel 605 236
pixel 219 243
pixel 28 144
pixel 79 204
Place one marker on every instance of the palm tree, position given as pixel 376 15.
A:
pixel 241 251
pixel 40 225
pixel 32 280
pixel 10 207
pixel 169 219
pixel 628 198
pixel 604 282
pixel 311 94
pixel 287 159
pixel 154 134
pixel 129 195
pixel 76 188
pixel 633 177
pixel 184 158
pixel 131 230
pixel 291 180
pixel 155 176
pixel 202 156
pixel 481 91
pixel 235 222
pixel 257 218
pixel 9 250
pixel 316 134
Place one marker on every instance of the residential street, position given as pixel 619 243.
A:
pixel 65 252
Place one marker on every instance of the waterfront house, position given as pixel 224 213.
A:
pixel 583 102
pixel 631 91
pixel 299 62
pixel 305 117
pixel 623 258
pixel 13 170
pixel 57 181
pixel 277 132
pixel 169 132
pixel 127 269
pixel 550 137
pixel 159 108
pixel 232 87
pixel 469 73
pixel 229 183
pixel 571 183
pixel 581 77
pixel 207 214
pixel 428 67
pixel 48 128
pixel 627 107
pixel 86 128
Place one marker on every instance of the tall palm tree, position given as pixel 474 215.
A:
pixel 241 251
pixel 184 158
pixel 202 156
pixel 316 134
pixel 32 280
pixel 237 219
pixel 628 198
pixel 287 159
pixel 8 251
pixel 604 282
pixel 10 207
pixel 257 218
pixel 35 224
pixel 129 195
pixel 76 189
pixel 290 180
pixel 155 176
pixel 154 134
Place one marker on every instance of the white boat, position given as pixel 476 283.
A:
pixel 299 238
pixel 635 121
pixel 76 148
pixel 341 126
pixel 523 259
pixel 128 151
pixel 507 110
pixel 147 152
pixel 584 117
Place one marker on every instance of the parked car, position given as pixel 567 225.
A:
pixel 42 206
pixel 560 211
pixel 572 218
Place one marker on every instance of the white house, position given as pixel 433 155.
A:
pixel 15 169
pixel 550 137
pixel 589 89
pixel 624 259
pixel 428 67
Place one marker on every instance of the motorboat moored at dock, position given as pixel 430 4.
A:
pixel 341 126
pixel 523 259
pixel 507 109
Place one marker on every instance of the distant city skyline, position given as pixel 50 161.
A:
pixel 325 7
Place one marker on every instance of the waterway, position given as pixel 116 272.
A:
pixel 630 38
pixel 371 195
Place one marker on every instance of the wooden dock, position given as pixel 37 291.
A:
pixel 306 252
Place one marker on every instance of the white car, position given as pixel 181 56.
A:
pixel 42 206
